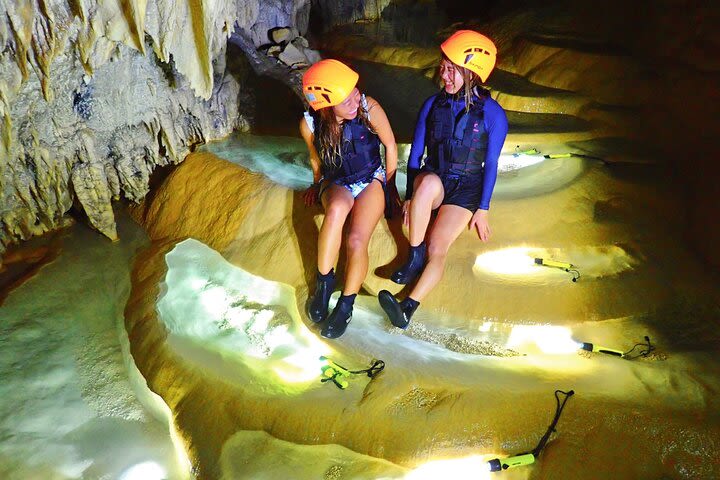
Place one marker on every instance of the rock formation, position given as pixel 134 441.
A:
pixel 436 397
pixel 95 95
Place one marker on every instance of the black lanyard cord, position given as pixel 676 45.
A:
pixel 558 410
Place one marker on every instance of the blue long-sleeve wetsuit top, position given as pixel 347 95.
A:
pixel 496 126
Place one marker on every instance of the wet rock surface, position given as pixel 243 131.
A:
pixel 462 379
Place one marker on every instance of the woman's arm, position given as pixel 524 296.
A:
pixel 309 138
pixel 496 125
pixel 381 125
pixel 311 194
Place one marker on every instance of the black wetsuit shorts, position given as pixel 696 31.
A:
pixel 462 190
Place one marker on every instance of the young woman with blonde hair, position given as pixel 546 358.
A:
pixel 463 130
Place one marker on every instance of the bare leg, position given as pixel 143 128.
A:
pixel 449 224
pixel 428 196
pixel 366 213
pixel 337 202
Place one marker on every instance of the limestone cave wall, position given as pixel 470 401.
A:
pixel 95 95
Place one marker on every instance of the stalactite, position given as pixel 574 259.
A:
pixel 20 26
pixel 90 185
pixel 7 125
pixel 78 9
pixel 55 94
pixel 134 11
pixel 43 47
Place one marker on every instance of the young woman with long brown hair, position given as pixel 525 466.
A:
pixel 343 133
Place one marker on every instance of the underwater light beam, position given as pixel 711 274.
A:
pixel 548 338
pixel 144 471
pixel 508 261
pixel 468 468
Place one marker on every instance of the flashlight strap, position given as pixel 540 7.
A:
pixel 649 347
pixel 374 369
pixel 558 410
pixel 377 367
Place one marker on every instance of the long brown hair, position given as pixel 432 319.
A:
pixel 328 134
pixel 471 81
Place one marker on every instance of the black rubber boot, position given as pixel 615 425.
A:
pixel 413 266
pixel 318 309
pixel 340 317
pixel 399 313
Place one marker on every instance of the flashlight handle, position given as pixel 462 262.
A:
pixel 499 464
pixel 590 347
pixel 340 370
pixel 553 263
pixel 609 351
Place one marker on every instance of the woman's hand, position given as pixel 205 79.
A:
pixel 394 204
pixel 311 195
pixel 406 213
pixel 481 224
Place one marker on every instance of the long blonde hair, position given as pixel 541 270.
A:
pixel 329 134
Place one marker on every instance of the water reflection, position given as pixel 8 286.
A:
pixel 222 309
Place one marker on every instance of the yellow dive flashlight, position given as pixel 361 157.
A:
pixel 590 347
pixel 647 347
pixel 331 371
pixel 568 267
pixel 497 465
pixel 527 458
pixel 531 151
pixel 336 373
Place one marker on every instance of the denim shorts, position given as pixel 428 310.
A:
pixel 357 188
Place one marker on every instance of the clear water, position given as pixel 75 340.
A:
pixel 72 403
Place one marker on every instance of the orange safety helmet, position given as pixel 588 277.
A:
pixel 327 83
pixel 471 50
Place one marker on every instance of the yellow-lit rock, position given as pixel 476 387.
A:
pixel 429 403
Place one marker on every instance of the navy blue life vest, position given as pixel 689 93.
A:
pixel 359 154
pixel 456 146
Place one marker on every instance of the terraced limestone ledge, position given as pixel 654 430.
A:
pixel 429 402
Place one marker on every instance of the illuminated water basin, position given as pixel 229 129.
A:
pixel 526 264
pixel 211 305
